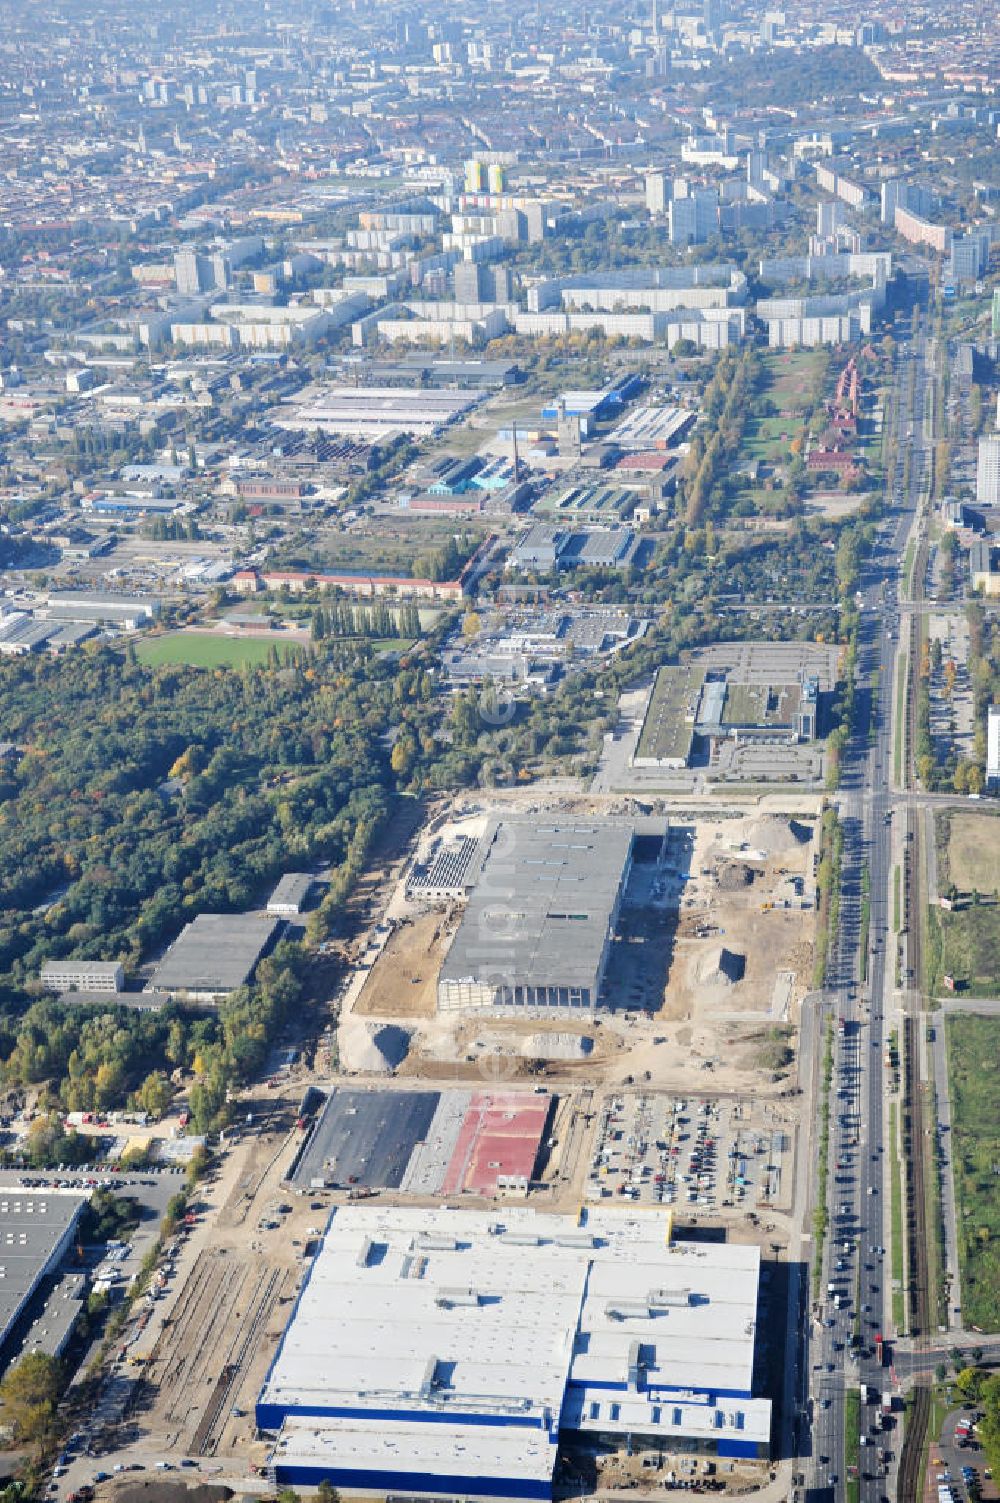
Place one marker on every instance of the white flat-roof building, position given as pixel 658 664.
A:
pixel 377 412
pixel 445 1352
pixel 993 745
pixel 291 894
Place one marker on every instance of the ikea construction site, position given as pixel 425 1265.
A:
pixel 523 1224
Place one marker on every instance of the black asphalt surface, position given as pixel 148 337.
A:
pixel 365 1138
pixel 858 1120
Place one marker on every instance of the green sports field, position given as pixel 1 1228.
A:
pixel 199 650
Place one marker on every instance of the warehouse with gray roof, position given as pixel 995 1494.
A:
pixel 536 932
pixel 36 1233
pixel 215 954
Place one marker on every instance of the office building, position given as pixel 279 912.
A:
pixel 446 1353
pixel 193 273
pixel 470 280
pixel 993 746
pixel 694 219
pixel 82 976
pixel 830 217
pixel 539 922
pixel 988 471
pixel 657 192
pixel 969 258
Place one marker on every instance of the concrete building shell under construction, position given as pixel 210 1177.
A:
pixel 539 922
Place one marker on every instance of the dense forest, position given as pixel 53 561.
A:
pixel 141 798
pixel 136 798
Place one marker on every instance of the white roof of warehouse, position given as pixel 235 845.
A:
pixel 457 1450
pixel 370 1320
pixel 522 1313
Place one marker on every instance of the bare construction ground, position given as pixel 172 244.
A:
pixel 706 972
pixel 402 983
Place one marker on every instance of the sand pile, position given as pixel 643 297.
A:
pixel 557 1046
pixel 722 967
pixel 375 1048
pixel 770 835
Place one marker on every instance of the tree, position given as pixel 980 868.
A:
pixel 401 759
pixel 471 625
pixel 29 1393
pixel 155 1094
pixel 968 1382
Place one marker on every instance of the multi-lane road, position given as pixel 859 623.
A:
pixel 855 1284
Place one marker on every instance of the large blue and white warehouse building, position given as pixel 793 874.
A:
pixel 446 1352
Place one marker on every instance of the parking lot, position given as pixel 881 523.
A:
pixel 690 1152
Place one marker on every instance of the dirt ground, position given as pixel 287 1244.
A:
pixel 403 981
pixel 667 1012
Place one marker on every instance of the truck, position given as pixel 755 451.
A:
pixel 309 1106
pixel 866 1393
pixel 887 1402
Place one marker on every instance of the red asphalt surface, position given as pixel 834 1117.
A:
pixel 501 1134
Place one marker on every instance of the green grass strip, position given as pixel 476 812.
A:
pixel 820 1213
pixel 896 1217
pixel 852 1442
pixel 900 726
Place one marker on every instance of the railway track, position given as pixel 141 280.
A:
pixel 913 1447
pixel 208 1434
pixel 185 1350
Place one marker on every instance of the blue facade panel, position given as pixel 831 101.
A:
pixel 743 1449
pixel 415 1482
